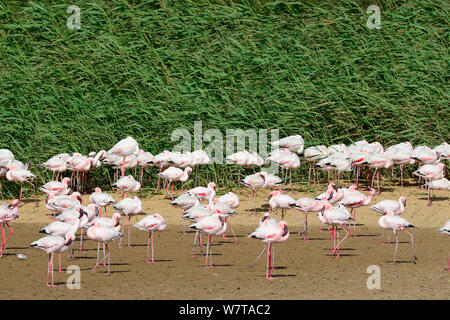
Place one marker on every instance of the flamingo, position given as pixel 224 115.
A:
pixel 271 234
pixel 128 207
pixel 293 143
pixel 254 181
pixel 335 216
pixel 103 234
pixel 59 228
pixel 225 211
pixel 265 220
pixel 101 199
pixel 161 160
pixel 199 158
pixel 390 221
pixel 56 164
pixel 397 207
pixel 213 225
pixel 289 161
pixel 152 223
pixel 307 205
pixel 175 174
pixel 8 213
pixel 442 184
pixel 56 187
pixel 278 200
pixel 312 155
pixel 195 214
pixel 356 199
pixel 204 193
pixel 124 148
pixel 52 244
pixel 63 202
pixel 430 172
pixel 379 161
pixel 443 150
pixel 144 161
pixel 126 185
pixel 185 202
pixel 21 175
pixel 445 229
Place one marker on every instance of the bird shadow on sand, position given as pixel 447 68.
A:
pixel 435 199
pixel 365 235
pixel 17 248
pixel 283 275
pixel 223 265
pixel 343 254
pixel 401 261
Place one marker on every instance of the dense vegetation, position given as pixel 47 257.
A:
pixel 145 68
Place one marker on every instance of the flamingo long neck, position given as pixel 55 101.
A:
pixel 97 157
pixel 368 199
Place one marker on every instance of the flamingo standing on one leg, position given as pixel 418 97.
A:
pixel 185 202
pixel 254 181
pixel 271 234
pixel 395 223
pixel 126 185
pixel 307 205
pixel 356 199
pixel 430 172
pixel 128 207
pixel 52 244
pixel 152 223
pixel 445 229
pixel 213 225
pixel 279 200
pixel 101 199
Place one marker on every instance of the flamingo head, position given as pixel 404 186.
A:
pixel 66 180
pixel 403 200
pixel 77 196
pixel 212 185
pixel 70 237
pixel 98 190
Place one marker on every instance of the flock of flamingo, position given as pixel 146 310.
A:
pixel 213 217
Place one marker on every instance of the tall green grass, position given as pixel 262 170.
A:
pixel 144 68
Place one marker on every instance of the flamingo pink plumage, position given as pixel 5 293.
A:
pixel 150 224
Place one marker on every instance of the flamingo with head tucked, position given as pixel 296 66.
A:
pixel 150 224
pixel 430 172
pixel 52 245
pixel 271 233
pixel 21 175
pixel 128 207
pixel 124 148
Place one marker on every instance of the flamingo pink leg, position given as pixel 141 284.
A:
pixel 150 236
pixel 269 268
pixel 12 232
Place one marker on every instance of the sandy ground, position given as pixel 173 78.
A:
pixel 304 270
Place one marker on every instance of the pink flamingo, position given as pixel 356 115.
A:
pixel 204 193
pixel 21 175
pixel 265 220
pixel 56 187
pixel 442 184
pixel 143 161
pixel 128 207
pixel 56 164
pixel 271 233
pixel 63 202
pixel 293 143
pixel 430 172
pixel 8 213
pixel 390 221
pixel 397 207
pixel 199 158
pixel 126 185
pixel 101 199
pixel 175 174
pixel 307 205
pixel 379 161
pixel 195 214
pixel 52 244
pixel 225 211
pixel 161 160
pixel 279 200
pixel 445 229
pixel 312 155
pixel 124 148
pixel 103 234
pixel 185 202
pixel 152 223
pixel 254 181
pixel 213 225
pixel 356 199
pixel 335 216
